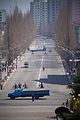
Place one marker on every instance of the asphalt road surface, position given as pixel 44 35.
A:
pixel 53 78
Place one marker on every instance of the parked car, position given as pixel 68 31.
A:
pixel 26 64
pixel 60 110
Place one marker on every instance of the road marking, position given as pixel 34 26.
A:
pixel 40 71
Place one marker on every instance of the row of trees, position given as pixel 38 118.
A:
pixel 75 100
pixel 19 33
pixel 75 88
pixel 65 34
pixel 66 38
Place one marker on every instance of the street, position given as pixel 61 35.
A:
pixel 53 78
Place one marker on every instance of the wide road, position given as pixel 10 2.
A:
pixel 53 78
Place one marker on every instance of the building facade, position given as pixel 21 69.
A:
pixel 75 18
pixel 53 11
pixel 77 32
pixel 75 11
pixel 2 19
pixel 2 16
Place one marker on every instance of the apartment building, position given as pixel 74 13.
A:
pixel 2 19
pixel 2 16
pixel 39 13
pixel 75 18
pixel 53 11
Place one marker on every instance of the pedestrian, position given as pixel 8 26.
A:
pixel 16 66
pixel 42 85
pixel 15 86
pixel 45 52
pixel 5 77
pixel 19 85
pixel 43 68
pixel 25 85
pixel 63 104
pixel 33 97
pixel 1 85
pixel 67 103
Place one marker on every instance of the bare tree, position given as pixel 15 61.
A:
pixel 19 32
pixel 65 35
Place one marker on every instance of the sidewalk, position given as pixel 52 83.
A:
pixel 7 74
pixel 4 74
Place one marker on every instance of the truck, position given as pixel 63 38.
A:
pixel 25 92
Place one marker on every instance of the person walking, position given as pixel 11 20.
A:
pixel 25 85
pixel 33 98
pixel 42 85
pixel 19 85
pixel 43 68
pixel 15 86
pixel 67 103
pixel 63 105
pixel 1 85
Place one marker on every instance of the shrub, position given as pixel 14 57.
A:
pixel 72 116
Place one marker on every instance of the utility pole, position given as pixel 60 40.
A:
pixel 0 55
pixel 0 61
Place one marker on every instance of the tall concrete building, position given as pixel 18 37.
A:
pixel 2 16
pixel 40 17
pixel 2 19
pixel 53 11
pixel 75 18
pixel 75 11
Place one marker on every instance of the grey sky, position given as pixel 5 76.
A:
pixel 24 5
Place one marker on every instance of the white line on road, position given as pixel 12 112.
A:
pixel 40 71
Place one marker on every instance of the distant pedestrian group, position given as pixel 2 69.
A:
pixel 41 85
pixel 19 85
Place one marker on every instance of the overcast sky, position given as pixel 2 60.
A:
pixel 24 5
